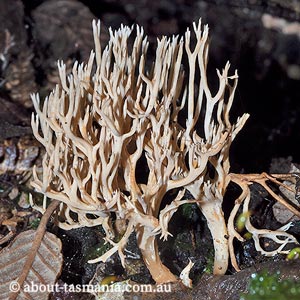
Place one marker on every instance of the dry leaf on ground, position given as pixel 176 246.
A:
pixel 44 270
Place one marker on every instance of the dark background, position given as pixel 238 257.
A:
pixel 267 59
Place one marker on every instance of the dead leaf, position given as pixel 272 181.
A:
pixel 44 271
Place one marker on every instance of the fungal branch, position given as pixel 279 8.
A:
pixel 212 141
pixel 261 236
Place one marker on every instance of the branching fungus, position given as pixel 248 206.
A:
pixel 113 115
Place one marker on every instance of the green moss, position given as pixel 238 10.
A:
pixel 97 250
pixel 293 254
pixel 34 224
pixel 209 268
pixel 265 286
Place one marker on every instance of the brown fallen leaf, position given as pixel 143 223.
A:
pixel 33 259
